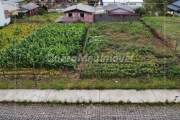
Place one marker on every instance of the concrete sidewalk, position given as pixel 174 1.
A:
pixel 72 96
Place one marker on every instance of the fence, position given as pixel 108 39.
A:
pixel 115 18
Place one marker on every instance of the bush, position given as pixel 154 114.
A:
pixel 41 11
pixel 174 70
pixel 137 10
pixel 45 8
pixel 175 15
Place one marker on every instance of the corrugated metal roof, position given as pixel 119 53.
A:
pixel 30 6
pixel 22 11
pixel 10 8
pixel 81 7
pixel 60 19
pixel 176 3
pixel 121 1
pixel 172 7
pixel 115 6
pixel 12 1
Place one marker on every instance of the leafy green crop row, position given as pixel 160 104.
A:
pixel 40 49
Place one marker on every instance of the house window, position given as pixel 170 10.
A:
pixel 70 15
pixel 6 14
pixel 131 4
pixel 82 15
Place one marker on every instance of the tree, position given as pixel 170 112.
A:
pixel 152 6
pixel 27 1
pixel 171 1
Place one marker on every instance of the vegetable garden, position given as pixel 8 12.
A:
pixel 126 49
pixel 48 47
pixel 137 51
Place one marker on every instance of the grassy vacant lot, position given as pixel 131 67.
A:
pixel 67 83
pixel 48 17
pixel 167 26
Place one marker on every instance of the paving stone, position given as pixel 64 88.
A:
pixel 88 112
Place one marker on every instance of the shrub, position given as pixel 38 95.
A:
pixel 138 10
pixel 41 11
pixel 174 70
pixel 175 15
pixel 45 8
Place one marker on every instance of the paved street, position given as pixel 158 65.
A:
pixel 88 112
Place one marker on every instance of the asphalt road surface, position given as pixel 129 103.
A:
pixel 88 112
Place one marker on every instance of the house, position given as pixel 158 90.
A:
pixel 118 9
pixel 47 3
pixel 175 7
pixel 12 9
pixel 116 12
pixel 131 3
pixel 79 12
pixel 30 9
pixel 65 1
pixel 11 1
pixel 4 15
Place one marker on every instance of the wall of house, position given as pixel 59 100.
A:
pixel 3 20
pixel 119 13
pixel 119 10
pixel 33 12
pixel 134 5
pixel 115 18
pixel 130 3
pixel 43 3
pixel 15 12
pixel 89 17
pixel 59 1
pixel 43 0
pixel 64 1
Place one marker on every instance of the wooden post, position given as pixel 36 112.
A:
pixel 176 45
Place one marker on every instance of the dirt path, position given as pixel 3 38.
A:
pixel 158 36
pixel 81 64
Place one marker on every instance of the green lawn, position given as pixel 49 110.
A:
pixel 169 27
pixel 46 82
